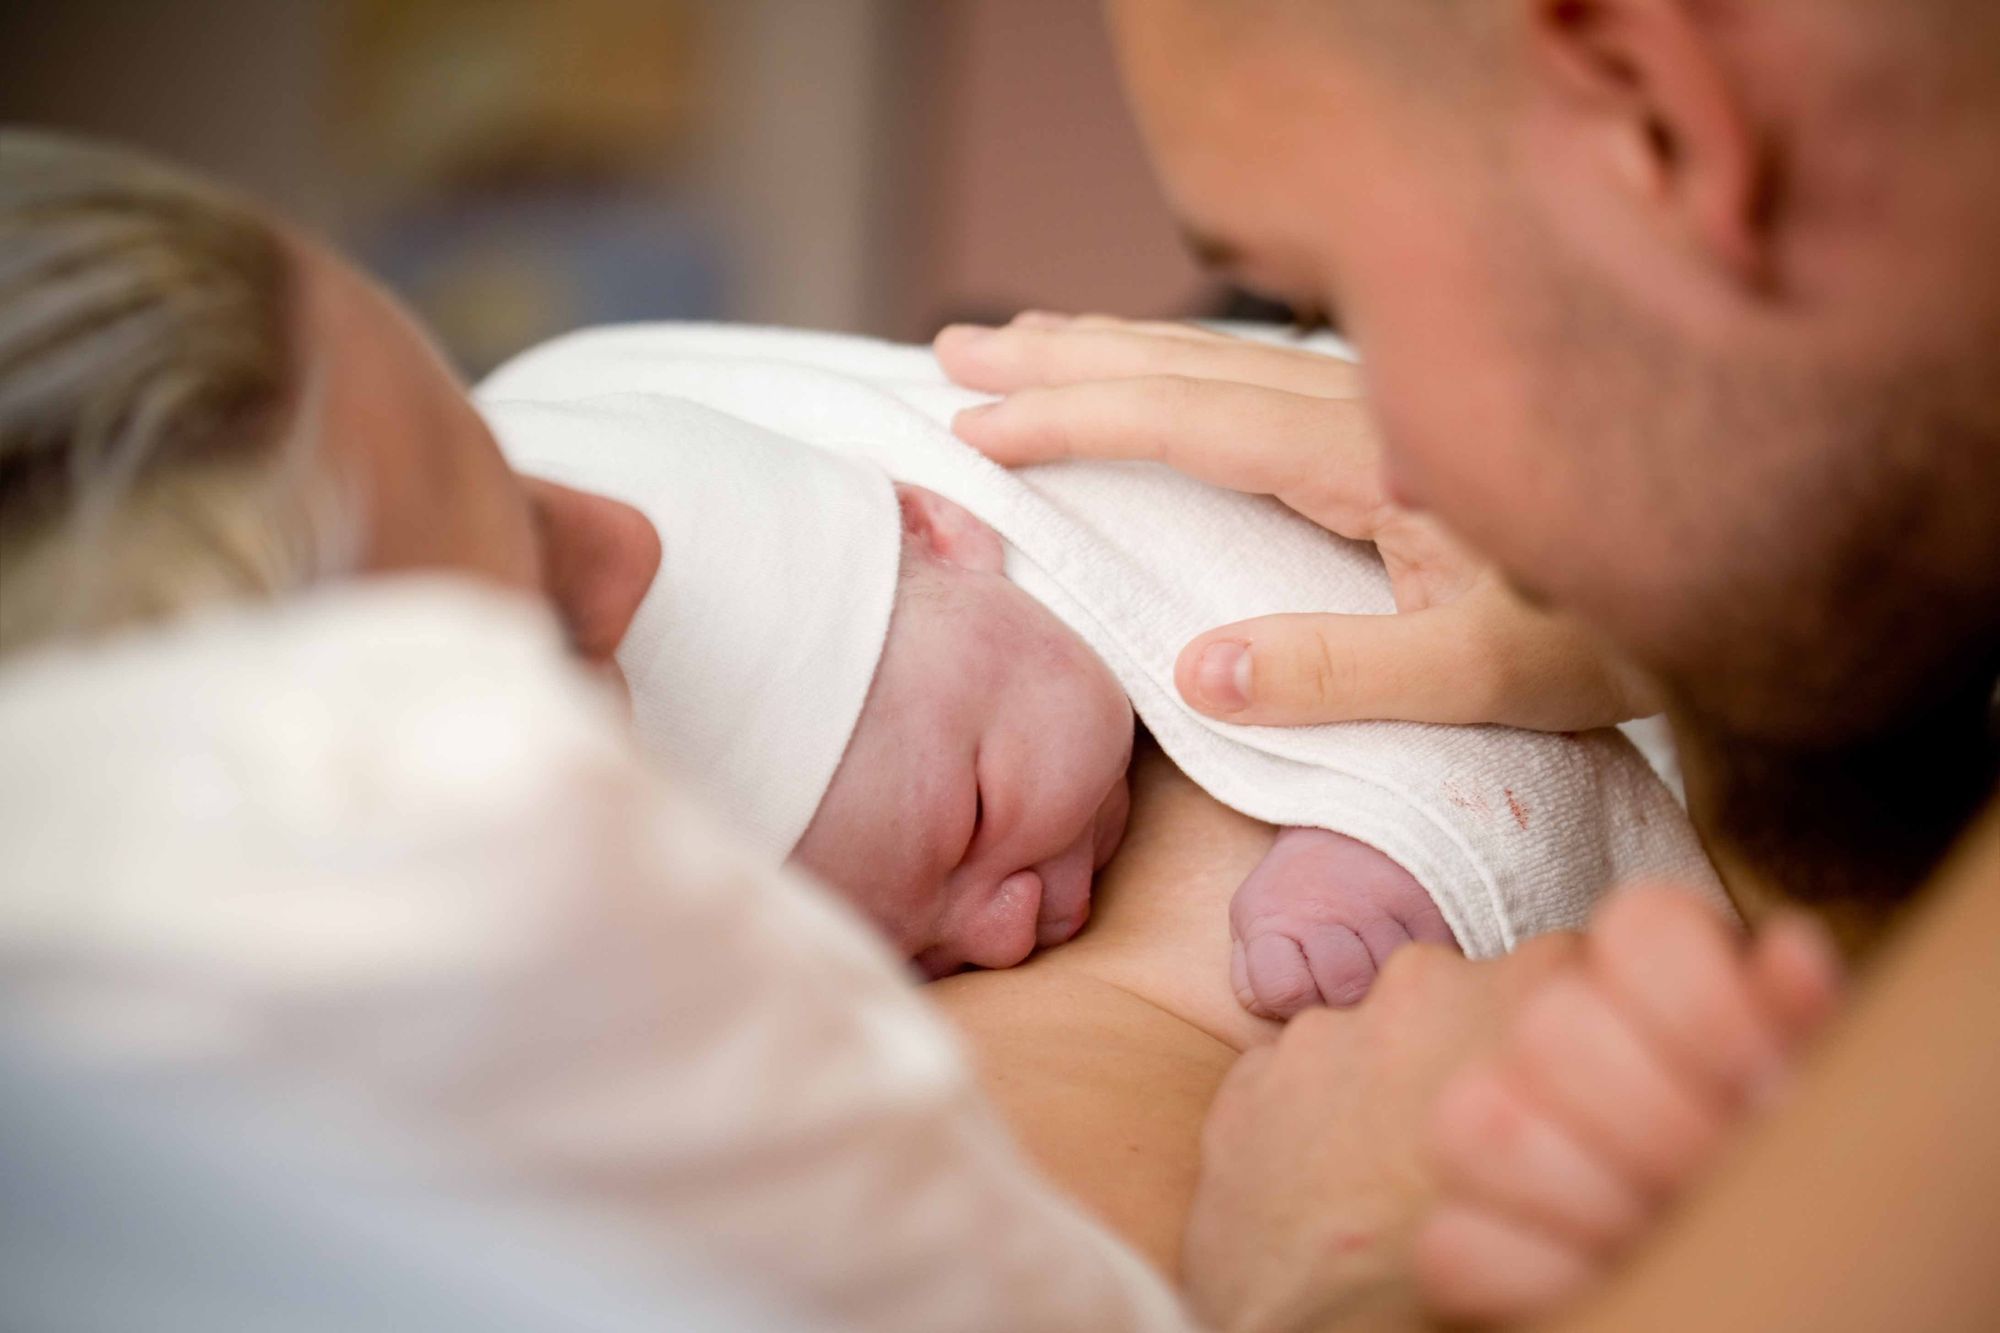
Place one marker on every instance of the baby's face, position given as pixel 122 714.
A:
pixel 985 782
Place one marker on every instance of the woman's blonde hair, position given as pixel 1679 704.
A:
pixel 151 396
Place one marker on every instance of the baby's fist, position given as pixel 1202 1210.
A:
pixel 1316 919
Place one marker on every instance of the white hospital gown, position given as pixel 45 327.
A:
pixel 384 857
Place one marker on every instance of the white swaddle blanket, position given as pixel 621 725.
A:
pixel 1513 833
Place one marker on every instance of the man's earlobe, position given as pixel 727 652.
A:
pixel 1645 82
pixel 950 532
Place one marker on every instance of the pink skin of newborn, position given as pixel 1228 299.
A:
pixel 985 786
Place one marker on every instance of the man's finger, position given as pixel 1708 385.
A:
pixel 1045 319
pixel 1797 970
pixel 1294 670
pixel 1493 1146
pixel 1317 455
pixel 1477 1265
pixel 1581 1059
pixel 1038 354
pixel 1676 966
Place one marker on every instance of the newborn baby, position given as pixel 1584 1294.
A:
pixel 985 785
pixel 933 711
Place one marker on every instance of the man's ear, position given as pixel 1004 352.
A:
pixel 950 532
pixel 1640 128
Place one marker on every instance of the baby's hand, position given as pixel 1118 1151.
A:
pixel 1317 917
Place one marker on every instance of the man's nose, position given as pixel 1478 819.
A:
pixel 599 559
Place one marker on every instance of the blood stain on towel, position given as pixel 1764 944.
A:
pixel 1464 800
pixel 1520 808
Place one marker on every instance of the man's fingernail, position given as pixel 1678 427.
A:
pixel 1223 676
pixel 972 416
pixel 967 335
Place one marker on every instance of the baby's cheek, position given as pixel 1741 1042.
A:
pixel 1111 821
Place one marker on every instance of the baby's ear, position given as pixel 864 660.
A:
pixel 951 533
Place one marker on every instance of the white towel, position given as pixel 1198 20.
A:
pixel 1513 833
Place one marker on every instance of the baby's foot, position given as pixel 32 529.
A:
pixel 1317 917
pixel 1621 1079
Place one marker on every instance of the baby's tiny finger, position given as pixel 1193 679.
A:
pixel 1280 977
pixel 1342 964
pixel 1239 976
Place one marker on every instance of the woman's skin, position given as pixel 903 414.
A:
pixel 1105 1054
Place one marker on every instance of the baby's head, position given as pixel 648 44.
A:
pixel 842 665
pixel 984 784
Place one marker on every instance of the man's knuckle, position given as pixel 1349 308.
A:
pixel 1546 1035
pixel 1326 674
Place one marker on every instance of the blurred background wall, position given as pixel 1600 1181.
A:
pixel 517 167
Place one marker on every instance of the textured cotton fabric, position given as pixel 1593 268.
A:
pixel 382 859
pixel 1512 833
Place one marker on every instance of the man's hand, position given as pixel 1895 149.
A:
pixel 1313 1158
pixel 1289 423
pixel 1618 1085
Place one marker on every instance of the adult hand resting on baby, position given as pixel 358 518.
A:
pixel 1289 423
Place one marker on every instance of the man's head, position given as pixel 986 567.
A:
pixel 197 404
pixel 1686 311
pixel 984 784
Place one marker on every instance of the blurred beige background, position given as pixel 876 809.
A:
pixel 520 166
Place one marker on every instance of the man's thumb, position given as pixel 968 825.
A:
pixel 1293 670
